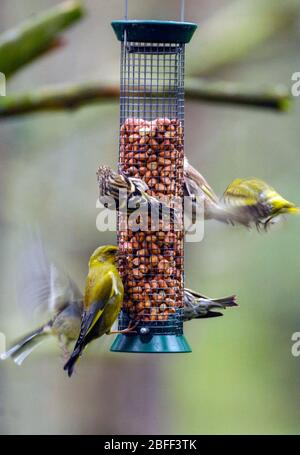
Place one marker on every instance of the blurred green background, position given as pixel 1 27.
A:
pixel 241 376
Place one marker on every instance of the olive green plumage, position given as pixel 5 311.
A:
pixel 103 298
pixel 257 202
pixel 248 202
pixel 48 289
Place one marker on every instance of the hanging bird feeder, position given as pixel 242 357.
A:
pixel 151 261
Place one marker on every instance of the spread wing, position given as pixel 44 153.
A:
pixel 42 287
pixel 196 185
pixel 250 199
pixel 204 191
pixel 241 192
pixel 63 290
pixel 195 294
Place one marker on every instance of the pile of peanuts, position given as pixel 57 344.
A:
pixel 151 262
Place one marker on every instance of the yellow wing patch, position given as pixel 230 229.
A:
pixel 96 319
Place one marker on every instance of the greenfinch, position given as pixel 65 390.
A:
pixel 197 306
pixel 257 202
pixel 103 298
pixel 44 288
pixel 247 202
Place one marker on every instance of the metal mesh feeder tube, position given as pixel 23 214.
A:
pixel 151 243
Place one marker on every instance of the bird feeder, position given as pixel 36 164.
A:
pixel 151 261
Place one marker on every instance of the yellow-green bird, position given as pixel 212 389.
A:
pixel 103 298
pixel 47 289
pixel 256 202
pixel 246 202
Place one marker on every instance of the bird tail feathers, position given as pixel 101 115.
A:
pixel 69 366
pixel 22 348
pixel 226 301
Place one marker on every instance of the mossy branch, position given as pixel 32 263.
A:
pixel 29 40
pixel 275 97
pixel 70 97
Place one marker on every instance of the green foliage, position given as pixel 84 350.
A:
pixel 29 40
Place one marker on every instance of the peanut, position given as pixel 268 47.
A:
pixel 151 262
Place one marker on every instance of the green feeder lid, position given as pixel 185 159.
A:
pixel 154 31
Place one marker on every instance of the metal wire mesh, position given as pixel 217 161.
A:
pixel 152 81
pixel 151 148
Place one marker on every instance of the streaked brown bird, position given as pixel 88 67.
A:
pixel 201 197
pixel 248 202
pixel 129 193
pixel 198 306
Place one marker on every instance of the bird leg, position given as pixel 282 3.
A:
pixel 65 351
pixel 63 346
pixel 130 329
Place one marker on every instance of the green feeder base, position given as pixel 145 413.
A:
pixel 150 344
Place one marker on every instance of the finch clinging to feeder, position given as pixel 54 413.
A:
pixel 45 287
pixel 198 306
pixel 111 184
pixel 102 300
pixel 257 202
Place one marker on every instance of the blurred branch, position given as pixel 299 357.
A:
pixel 237 29
pixel 74 96
pixel 276 97
pixel 27 41
pixel 57 98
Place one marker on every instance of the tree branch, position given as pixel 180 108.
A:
pixel 276 97
pixel 27 41
pixel 74 96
